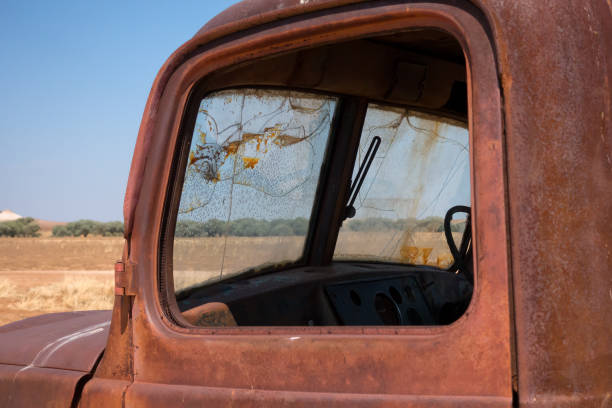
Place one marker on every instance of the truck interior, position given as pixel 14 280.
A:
pixel 328 186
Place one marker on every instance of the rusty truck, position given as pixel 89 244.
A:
pixel 357 203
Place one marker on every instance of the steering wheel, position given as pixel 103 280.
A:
pixel 462 256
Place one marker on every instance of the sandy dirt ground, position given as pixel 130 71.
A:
pixel 59 254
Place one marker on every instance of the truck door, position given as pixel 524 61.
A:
pixel 258 281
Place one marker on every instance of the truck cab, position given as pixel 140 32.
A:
pixel 357 203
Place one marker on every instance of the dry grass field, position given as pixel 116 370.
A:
pixel 59 254
pixel 46 274
pixel 30 293
pixel 200 259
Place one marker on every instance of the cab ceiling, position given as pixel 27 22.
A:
pixel 421 69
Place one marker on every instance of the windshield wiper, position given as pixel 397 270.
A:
pixel 364 167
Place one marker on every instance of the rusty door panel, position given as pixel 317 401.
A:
pixel 437 362
pixel 554 67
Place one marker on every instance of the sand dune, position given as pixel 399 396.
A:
pixel 8 215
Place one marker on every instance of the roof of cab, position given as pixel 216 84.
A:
pixel 250 13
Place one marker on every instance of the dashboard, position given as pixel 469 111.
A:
pixel 344 293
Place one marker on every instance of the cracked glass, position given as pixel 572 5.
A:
pixel 250 182
pixel 421 169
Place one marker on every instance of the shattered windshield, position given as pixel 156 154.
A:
pixel 250 182
pixel 420 170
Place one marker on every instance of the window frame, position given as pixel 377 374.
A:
pixel 345 135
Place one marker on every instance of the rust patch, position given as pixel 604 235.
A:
pixel 425 255
pixel 249 162
pixel 204 160
pixel 232 148
pixel 207 155
pixel 415 255
pixel 286 140
pixel 409 253
pixel 427 140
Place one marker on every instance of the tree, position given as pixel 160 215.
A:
pixel 60 231
pixel 430 224
pixel 81 227
pixel 89 227
pixel 22 227
pixel 214 227
pixel 281 229
pixel 299 226
pixel 110 229
pixel 189 229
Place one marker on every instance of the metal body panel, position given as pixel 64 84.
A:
pixel 7 376
pixel 37 387
pixel 68 341
pixel 554 61
pixel 43 359
pixel 100 392
pixel 148 395
pixel 328 363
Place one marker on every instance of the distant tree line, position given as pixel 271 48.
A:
pixel 21 227
pixel 88 227
pixel 429 224
pixel 251 227
pixel 242 227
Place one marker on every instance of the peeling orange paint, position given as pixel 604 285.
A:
pixel 425 252
pixel 286 140
pixel 416 255
pixel 248 137
pixel 272 133
pixel 409 253
pixel 444 261
pixel 250 162
pixel 231 148
pixel 256 138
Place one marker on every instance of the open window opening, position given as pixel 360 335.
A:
pixel 328 186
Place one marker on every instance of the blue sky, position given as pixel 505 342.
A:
pixel 74 79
